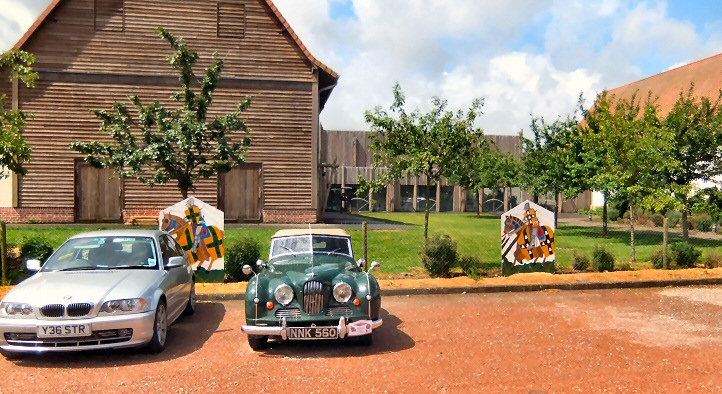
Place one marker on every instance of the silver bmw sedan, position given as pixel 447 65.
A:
pixel 101 289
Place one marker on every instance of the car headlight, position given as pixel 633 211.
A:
pixel 130 305
pixel 16 309
pixel 284 294
pixel 342 292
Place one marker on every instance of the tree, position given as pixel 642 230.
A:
pixel 486 168
pixel 14 150
pixel 416 144
pixel 551 161
pixel 176 144
pixel 695 125
pixel 632 149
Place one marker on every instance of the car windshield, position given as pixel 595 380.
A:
pixel 307 244
pixel 104 253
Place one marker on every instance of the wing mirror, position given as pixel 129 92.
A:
pixel 33 265
pixel 375 265
pixel 247 270
pixel 362 263
pixel 260 263
pixel 175 262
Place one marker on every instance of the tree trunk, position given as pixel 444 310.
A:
pixel 478 205
pixel 605 217
pixel 184 193
pixel 631 226
pixel 556 210
pixel 427 208
pixel 685 224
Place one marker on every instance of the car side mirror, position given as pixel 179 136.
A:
pixel 260 263
pixel 362 263
pixel 33 265
pixel 375 265
pixel 175 262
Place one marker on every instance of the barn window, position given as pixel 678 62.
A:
pixel 110 15
pixel 231 20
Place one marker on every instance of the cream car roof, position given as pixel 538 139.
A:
pixel 315 231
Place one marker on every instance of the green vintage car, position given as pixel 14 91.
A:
pixel 312 288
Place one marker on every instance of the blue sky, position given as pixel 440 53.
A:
pixel 524 57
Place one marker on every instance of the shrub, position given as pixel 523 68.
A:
pixel 580 262
pixel 712 259
pixel 603 259
pixel 239 253
pixel 657 219
pixel 35 247
pixel 684 254
pixel 612 214
pixel 626 266
pixel 701 222
pixel 658 259
pixel 470 265
pixel 673 218
pixel 438 255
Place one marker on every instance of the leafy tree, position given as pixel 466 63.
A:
pixel 14 150
pixel 416 144
pixel 633 150
pixel 695 125
pixel 552 159
pixel 487 167
pixel 175 144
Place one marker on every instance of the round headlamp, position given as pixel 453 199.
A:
pixel 342 292
pixel 284 294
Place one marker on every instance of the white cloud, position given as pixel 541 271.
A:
pixel 16 17
pixel 523 57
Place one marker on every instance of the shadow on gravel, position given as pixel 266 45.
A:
pixel 387 339
pixel 185 336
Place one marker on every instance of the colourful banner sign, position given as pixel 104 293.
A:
pixel 527 239
pixel 198 228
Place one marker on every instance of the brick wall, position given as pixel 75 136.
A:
pixel 290 216
pixel 145 215
pixel 37 215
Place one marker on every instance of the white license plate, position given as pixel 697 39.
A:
pixel 64 330
pixel 312 333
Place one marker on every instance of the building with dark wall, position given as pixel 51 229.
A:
pixel 346 157
pixel 92 53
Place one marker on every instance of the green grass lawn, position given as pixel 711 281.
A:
pixel 398 250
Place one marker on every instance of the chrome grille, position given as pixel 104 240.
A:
pixel 314 297
pixel 98 338
pixel 341 310
pixel 288 313
pixel 79 309
pixel 53 310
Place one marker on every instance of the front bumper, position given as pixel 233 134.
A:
pixel 19 335
pixel 345 329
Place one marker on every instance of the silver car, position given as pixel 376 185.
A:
pixel 102 289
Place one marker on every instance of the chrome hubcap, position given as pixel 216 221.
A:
pixel 160 325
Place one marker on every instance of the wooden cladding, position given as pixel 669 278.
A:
pixel 71 44
pixel 109 15
pixel 231 20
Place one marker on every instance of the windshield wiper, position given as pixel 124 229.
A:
pixel 86 268
pixel 288 249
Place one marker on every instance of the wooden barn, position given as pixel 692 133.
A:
pixel 346 157
pixel 91 53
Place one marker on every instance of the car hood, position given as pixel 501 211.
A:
pixel 84 286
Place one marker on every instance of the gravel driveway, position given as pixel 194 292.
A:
pixel 651 340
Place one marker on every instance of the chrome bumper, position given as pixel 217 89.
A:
pixel 282 330
pixel 140 323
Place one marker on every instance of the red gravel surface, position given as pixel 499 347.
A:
pixel 647 341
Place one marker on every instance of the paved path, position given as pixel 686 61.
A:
pixel 649 341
